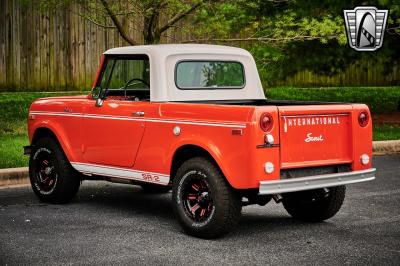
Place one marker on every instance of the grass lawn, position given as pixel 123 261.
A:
pixel 14 111
pixel 386 132
pixel 13 126
pixel 11 151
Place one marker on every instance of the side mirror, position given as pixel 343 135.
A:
pixel 96 94
pixel 99 102
pixel 96 91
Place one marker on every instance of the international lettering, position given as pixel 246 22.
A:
pixel 311 121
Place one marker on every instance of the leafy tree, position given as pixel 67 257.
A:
pixel 118 14
pixel 287 36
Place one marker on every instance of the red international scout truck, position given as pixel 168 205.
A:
pixel 194 119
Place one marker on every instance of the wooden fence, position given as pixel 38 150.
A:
pixel 56 50
pixel 59 50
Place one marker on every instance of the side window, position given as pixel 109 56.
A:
pixel 127 78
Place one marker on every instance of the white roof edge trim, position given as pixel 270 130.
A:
pixel 169 49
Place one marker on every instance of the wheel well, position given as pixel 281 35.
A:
pixel 185 153
pixel 41 133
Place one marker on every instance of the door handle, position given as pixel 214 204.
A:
pixel 139 113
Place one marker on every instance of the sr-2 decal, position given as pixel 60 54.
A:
pixel 95 169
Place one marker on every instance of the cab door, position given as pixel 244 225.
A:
pixel 114 125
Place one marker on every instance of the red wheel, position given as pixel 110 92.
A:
pixel 197 198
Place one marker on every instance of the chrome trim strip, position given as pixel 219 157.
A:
pixel 314 182
pixel 311 115
pixel 127 118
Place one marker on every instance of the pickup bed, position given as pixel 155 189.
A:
pixel 194 119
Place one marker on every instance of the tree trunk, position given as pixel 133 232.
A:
pixel 150 29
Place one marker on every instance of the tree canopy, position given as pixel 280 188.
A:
pixel 285 36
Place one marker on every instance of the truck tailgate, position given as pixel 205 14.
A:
pixel 320 135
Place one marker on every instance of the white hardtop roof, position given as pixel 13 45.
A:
pixel 164 58
pixel 169 49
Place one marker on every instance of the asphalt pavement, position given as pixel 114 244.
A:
pixel 119 224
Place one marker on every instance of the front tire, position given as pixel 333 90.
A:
pixel 204 203
pixel 314 205
pixel 52 177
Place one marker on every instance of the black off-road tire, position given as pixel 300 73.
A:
pixel 314 205
pixel 224 205
pixel 155 189
pixel 66 180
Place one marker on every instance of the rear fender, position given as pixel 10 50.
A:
pixel 205 144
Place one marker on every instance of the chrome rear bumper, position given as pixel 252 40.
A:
pixel 314 182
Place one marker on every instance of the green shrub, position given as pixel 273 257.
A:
pixel 379 99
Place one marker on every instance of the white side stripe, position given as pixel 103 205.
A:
pixel 56 114
pixel 124 173
pixel 154 120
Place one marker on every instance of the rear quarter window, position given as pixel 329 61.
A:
pixel 206 75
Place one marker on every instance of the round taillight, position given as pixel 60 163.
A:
pixel 363 118
pixel 266 122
